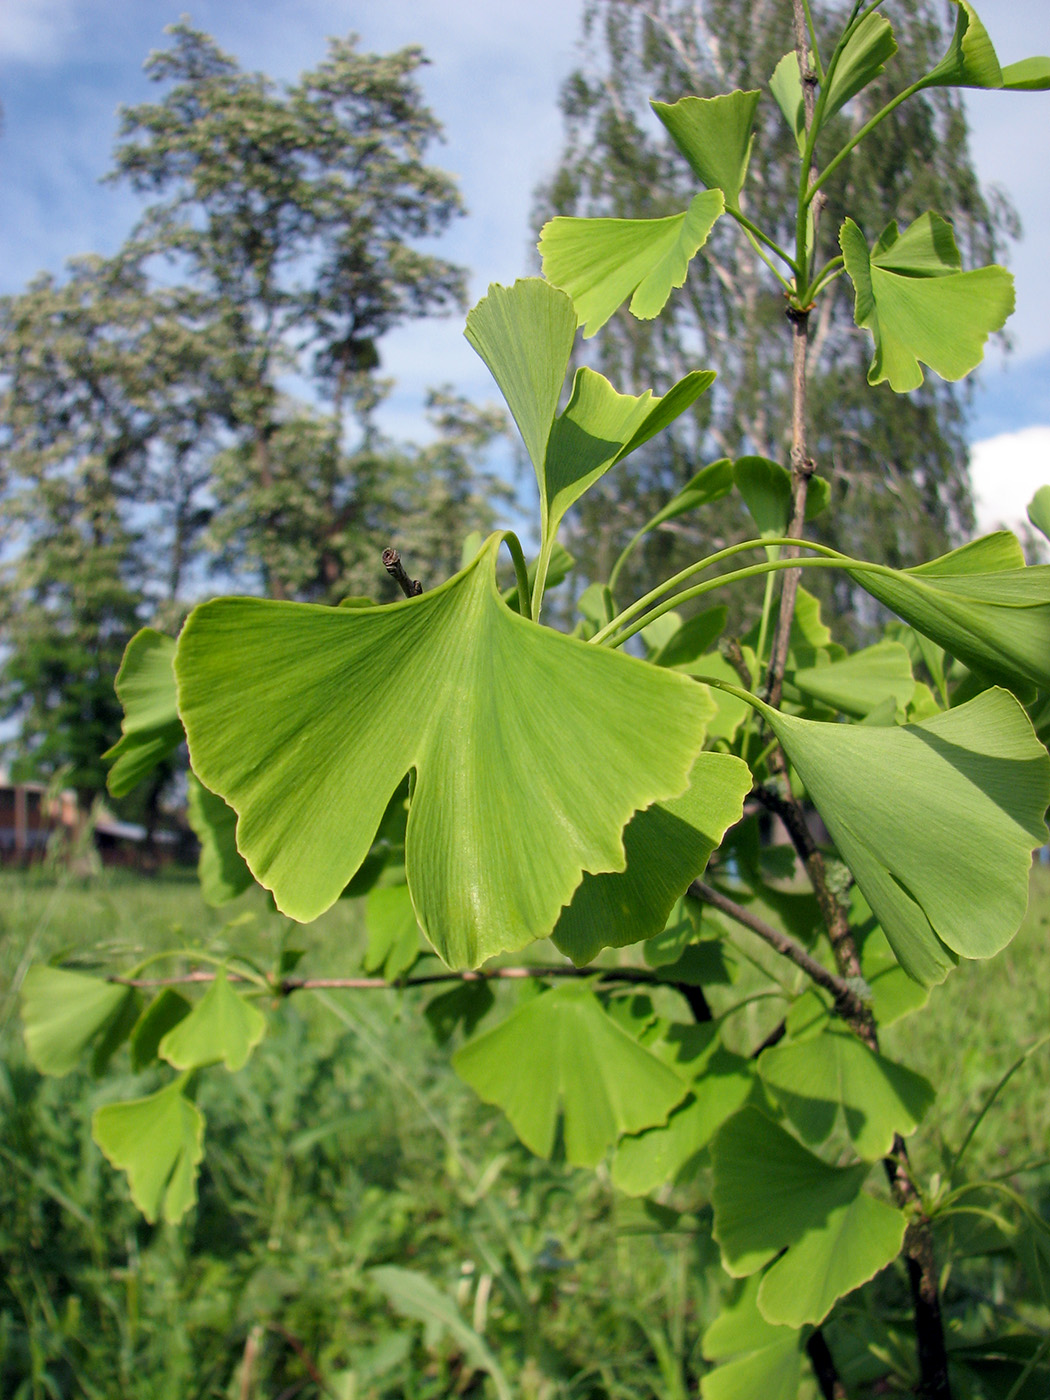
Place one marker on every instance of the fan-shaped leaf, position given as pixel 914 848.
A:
pixel 646 1161
pixel 714 134
pixel 221 870
pixel 532 750
pixel 936 820
pixel 768 1359
pixel 816 1078
pixel 835 1236
pixel 63 1012
pixel 786 87
pixel 1039 510
pixel 222 1026
pixel 151 730
pixel 918 305
pixel 867 51
pixel 598 428
pixel 166 1010
pixel 562 1052
pixel 971 59
pixel 602 262
pixel 393 934
pixel 159 1142
pixel 981 604
pixel 667 846
pixel 711 483
pixel 862 681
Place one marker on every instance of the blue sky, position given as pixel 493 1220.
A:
pixel 493 79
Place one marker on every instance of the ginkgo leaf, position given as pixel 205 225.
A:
pixel 767 492
pixel 1039 511
pixel 524 333
pixel 714 134
pixel 786 87
pixel 63 1012
pixel 531 750
pixel 817 1078
pixel 150 729
pixel 644 1162
pixel 166 1010
pixel 1028 75
pixel 689 641
pixel 393 934
pixel 602 262
pixel 766 1360
pixel 867 51
pixel 221 1027
pixel 862 681
pixel 221 870
pixel 980 603
pixel 599 427
pixel 159 1142
pixel 971 60
pixel 917 303
pixel 835 1236
pixel 711 483
pixel 667 846
pixel 561 1053
pixel 936 820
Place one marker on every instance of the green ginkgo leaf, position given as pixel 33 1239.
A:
pixel 980 603
pixel 644 1162
pixel 667 846
pixel 159 1142
pixel 860 682
pixel 221 1027
pixel 917 303
pixel 166 1010
pixel 150 729
pixel 971 60
pixel 221 870
pixel 711 483
pixel 835 1236
pixel 63 1012
pixel 599 427
pixel 867 51
pixel 714 134
pixel 1039 511
pixel 393 934
pixel 786 87
pixel 561 1053
pixel 759 1359
pixel 937 821
pixel 531 750
pixel 602 262
pixel 818 1078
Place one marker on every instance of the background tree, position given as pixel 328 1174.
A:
pixel 899 464
pixel 198 411
pixel 289 210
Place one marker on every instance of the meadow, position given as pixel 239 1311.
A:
pixel 347 1145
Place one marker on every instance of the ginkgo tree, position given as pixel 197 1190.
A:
pixel 486 782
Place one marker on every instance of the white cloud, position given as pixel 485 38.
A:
pixel 34 29
pixel 1006 471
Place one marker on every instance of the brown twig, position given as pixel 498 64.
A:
pixel 410 587
pixel 847 1003
pixel 642 976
